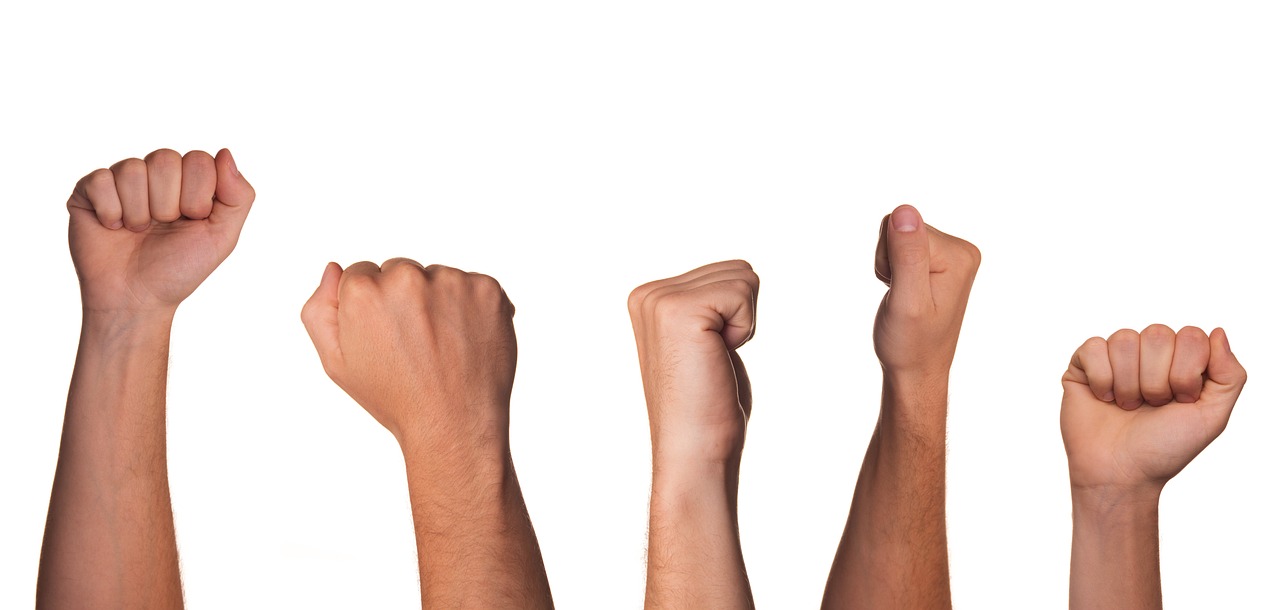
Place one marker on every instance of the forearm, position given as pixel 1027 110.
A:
pixel 695 557
pixel 894 550
pixel 109 539
pixel 1115 550
pixel 476 544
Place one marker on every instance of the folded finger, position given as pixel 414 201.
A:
pixel 164 185
pixel 1154 362
pixel 131 186
pixel 1190 360
pixel 1123 349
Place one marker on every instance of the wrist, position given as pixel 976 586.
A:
pixel 916 401
pixel 455 463
pixel 694 487
pixel 1104 501
pixel 111 327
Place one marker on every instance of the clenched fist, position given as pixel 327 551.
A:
pixel 146 232
pixel 929 274
pixel 1136 408
pixel 430 353
pixel 687 330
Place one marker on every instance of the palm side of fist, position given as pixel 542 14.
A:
pixel 687 331
pixel 929 274
pixel 146 232
pixel 1137 408
pixel 428 352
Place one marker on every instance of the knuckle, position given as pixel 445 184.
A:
pixel 745 287
pixel 164 157
pixel 1094 345
pixel 485 282
pixel 448 274
pixel 100 178
pixel 1193 333
pixel 129 167
pixel 198 157
pixel 1157 332
pixel 640 295
pixel 358 283
pixel 1124 336
pixel 636 298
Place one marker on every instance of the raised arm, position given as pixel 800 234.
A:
pixel 1136 409
pixel 144 234
pixel 894 550
pixel 688 329
pixel 431 354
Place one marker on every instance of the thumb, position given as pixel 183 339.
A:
pixel 908 255
pixel 320 317
pixel 233 195
pixel 1226 376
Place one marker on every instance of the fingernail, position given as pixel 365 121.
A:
pixel 116 225
pixel 1225 343
pixel 906 219
pixel 1109 396
pixel 1184 398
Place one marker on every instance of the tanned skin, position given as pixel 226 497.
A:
pixel 143 234
pixel 688 330
pixel 894 550
pixel 430 353
pixel 1136 409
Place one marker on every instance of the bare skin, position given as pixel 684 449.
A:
pixel 143 234
pixel 894 550
pixel 1136 409
pixel 688 330
pixel 431 355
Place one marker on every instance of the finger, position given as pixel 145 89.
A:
pixel 320 317
pixel 731 300
pixel 164 184
pixel 908 252
pixel 1123 350
pixel 1226 375
pixel 744 383
pixel 1155 359
pixel 199 180
pixel 131 186
pixel 745 281
pixel 1091 364
pixel 233 195
pixel 882 252
pixel 637 296
pixel 1190 359
pixel 96 193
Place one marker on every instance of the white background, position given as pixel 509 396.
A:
pixel 1116 162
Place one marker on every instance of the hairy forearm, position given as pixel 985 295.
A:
pixel 476 544
pixel 894 550
pixel 695 557
pixel 109 539
pixel 1115 550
